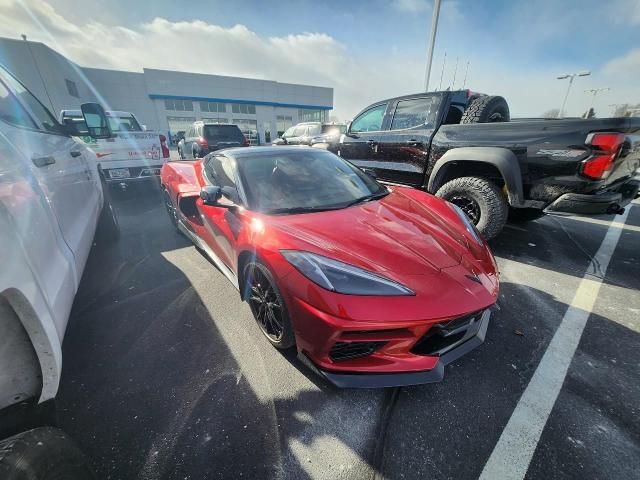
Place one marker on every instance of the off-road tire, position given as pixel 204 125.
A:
pixel 521 215
pixel 488 197
pixel 486 109
pixel 44 453
pixel 288 339
pixel 108 226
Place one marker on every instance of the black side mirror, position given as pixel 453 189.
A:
pixel 96 120
pixel 210 195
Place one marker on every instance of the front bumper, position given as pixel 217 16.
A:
pixel 597 203
pixel 470 337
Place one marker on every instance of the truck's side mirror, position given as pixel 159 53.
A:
pixel 96 120
pixel 143 127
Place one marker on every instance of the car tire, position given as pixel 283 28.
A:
pixel 171 210
pixel 44 453
pixel 482 201
pixel 521 215
pixel 108 226
pixel 486 109
pixel 262 289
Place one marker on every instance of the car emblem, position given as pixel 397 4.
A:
pixel 474 278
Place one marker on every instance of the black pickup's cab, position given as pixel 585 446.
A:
pixel 572 165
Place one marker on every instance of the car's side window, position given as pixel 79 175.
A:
pixel 48 122
pixel 415 112
pixel 370 120
pixel 299 131
pixel 11 111
pixel 221 171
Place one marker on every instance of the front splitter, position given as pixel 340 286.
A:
pixel 401 379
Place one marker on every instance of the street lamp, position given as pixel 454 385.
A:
pixel 432 42
pixel 570 76
pixel 594 92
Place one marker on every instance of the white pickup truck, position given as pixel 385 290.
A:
pixel 52 200
pixel 132 153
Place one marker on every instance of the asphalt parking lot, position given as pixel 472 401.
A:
pixel 166 374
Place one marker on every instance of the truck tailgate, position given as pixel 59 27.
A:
pixel 133 154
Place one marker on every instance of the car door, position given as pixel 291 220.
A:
pixel 403 149
pixel 222 225
pixel 359 144
pixel 34 254
pixel 60 165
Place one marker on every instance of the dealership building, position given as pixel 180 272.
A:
pixel 166 100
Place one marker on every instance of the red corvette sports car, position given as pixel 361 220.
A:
pixel 375 285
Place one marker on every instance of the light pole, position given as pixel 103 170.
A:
pixel 594 92
pixel 570 76
pixel 432 42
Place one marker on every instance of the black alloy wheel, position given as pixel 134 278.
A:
pixel 171 210
pixel 469 206
pixel 267 306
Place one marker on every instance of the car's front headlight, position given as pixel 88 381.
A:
pixel 341 277
pixel 471 228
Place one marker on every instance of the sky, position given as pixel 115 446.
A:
pixel 365 50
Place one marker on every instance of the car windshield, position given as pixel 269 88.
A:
pixel 117 124
pixel 124 124
pixel 223 133
pixel 304 180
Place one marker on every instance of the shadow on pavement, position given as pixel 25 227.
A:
pixel 150 388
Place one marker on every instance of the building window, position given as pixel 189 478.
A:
pixel 249 128
pixel 178 105
pixel 283 123
pixel 215 120
pixel 310 115
pixel 177 124
pixel 72 88
pixel 213 107
pixel 243 108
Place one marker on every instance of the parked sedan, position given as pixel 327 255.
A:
pixel 365 280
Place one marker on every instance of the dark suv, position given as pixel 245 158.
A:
pixel 202 138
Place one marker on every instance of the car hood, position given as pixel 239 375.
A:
pixel 394 234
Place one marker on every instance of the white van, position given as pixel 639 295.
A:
pixel 133 153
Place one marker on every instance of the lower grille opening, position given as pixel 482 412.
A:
pixel 441 336
pixel 348 350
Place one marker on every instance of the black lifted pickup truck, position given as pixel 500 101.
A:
pixel 462 146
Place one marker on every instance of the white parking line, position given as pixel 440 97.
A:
pixel 512 454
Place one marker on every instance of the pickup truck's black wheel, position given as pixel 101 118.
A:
pixel 108 226
pixel 517 215
pixel 481 200
pixel 267 305
pixel 44 453
pixel 486 110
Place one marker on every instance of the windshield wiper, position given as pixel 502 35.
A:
pixel 274 211
pixel 368 198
